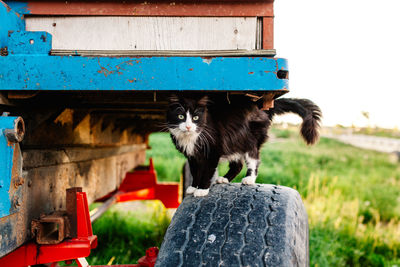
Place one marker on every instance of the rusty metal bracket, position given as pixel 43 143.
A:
pixel 55 227
pixel 51 229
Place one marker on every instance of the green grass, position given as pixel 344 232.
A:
pixel 391 133
pixel 168 161
pixel 352 198
pixel 124 236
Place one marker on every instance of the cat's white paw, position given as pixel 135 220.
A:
pixel 249 180
pixel 201 192
pixel 190 190
pixel 222 180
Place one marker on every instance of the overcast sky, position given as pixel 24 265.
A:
pixel 344 55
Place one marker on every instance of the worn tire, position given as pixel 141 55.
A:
pixel 237 225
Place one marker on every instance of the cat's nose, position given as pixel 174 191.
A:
pixel 188 127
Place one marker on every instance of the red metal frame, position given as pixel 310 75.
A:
pixel 142 185
pixel 71 249
pixel 79 247
pixel 268 33
pixel 229 8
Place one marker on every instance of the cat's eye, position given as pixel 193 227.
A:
pixel 181 117
pixel 195 118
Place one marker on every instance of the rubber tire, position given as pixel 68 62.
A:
pixel 238 225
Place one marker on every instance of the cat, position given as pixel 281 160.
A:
pixel 209 129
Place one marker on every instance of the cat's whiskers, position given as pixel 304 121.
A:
pixel 164 127
pixel 207 135
pixel 205 143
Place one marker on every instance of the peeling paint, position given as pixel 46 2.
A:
pixel 24 71
pixel 207 60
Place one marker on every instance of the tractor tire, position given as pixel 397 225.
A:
pixel 238 225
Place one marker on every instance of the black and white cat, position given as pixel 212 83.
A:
pixel 207 130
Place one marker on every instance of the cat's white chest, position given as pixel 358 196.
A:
pixel 186 140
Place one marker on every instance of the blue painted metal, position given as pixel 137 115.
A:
pixel 42 72
pixel 9 21
pixel 29 66
pixel 23 42
pixel 7 150
pixel 18 6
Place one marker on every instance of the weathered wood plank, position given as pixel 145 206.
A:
pixel 148 33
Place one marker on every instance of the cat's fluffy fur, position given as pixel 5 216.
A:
pixel 207 130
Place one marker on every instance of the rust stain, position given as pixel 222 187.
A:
pixel 191 69
pixel 251 72
pixel 276 64
pixel 117 70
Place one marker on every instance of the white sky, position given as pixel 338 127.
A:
pixel 344 55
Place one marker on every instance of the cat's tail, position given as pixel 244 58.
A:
pixel 306 109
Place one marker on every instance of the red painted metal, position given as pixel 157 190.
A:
pixel 268 33
pixel 150 259
pixel 153 8
pixel 32 253
pixel 143 177
pixel 142 184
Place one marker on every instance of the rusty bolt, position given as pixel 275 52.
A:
pixel 4 51
pixel 16 135
pixel 19 181
pixel 17 203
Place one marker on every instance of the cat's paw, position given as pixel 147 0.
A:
pixel 249 180
pixel 222 180
pixel 190 190
pixel 201 192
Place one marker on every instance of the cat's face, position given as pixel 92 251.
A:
pixel 187 116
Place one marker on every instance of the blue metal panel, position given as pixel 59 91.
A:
pixel 28 66
pixel 9 21
pixel 6 165
pixel 23 42
pixel 18 6
pixel 42 72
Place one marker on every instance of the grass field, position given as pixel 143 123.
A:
pixel 352 198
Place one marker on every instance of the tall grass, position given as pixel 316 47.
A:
pixel 352 196
pixel 341 236
pixel 124 234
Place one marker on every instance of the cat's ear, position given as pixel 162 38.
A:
pixel 203 101
pixel 173 99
